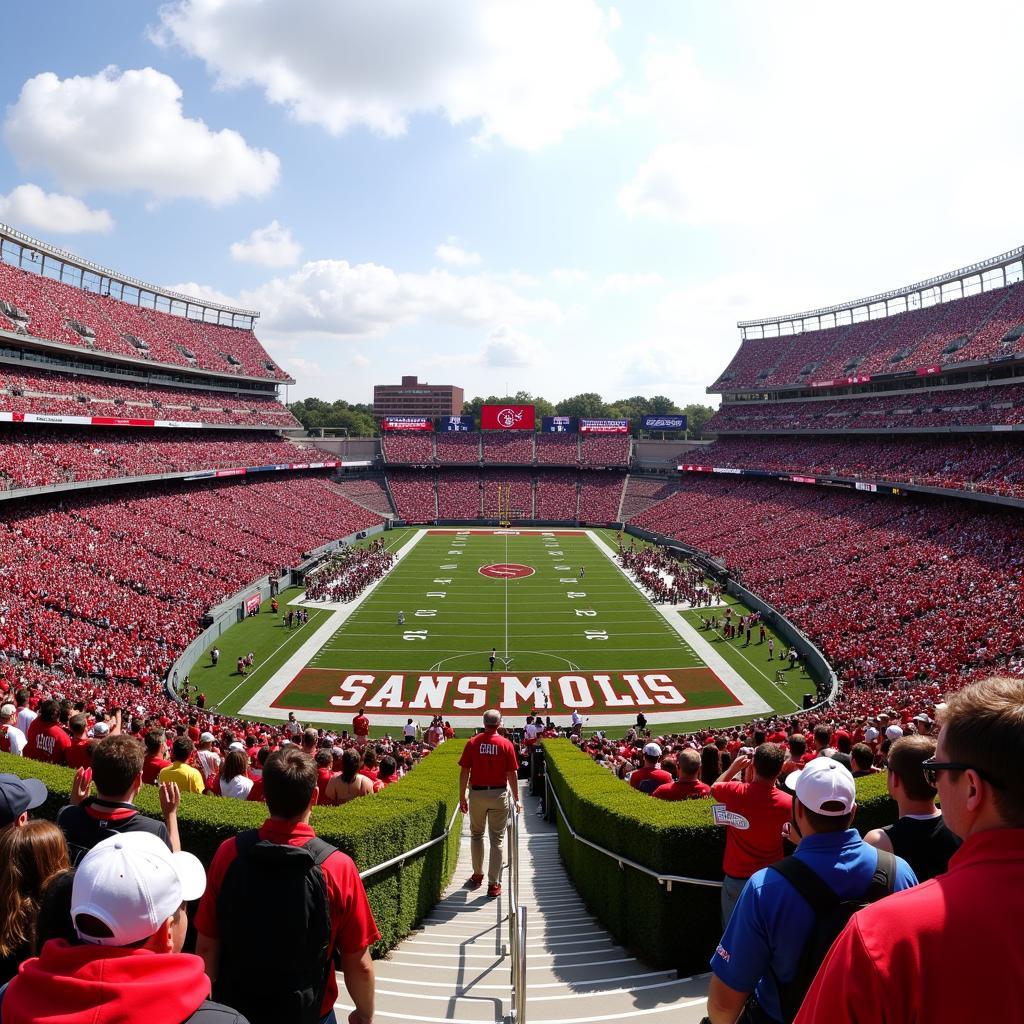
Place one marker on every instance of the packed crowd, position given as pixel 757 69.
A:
pixel 346 574
pixel 50 306
pixel 605 449
pixel 982 464
pixel 369 492
pixel 668 580
pixel 50 392
pixel 588 496
pixel 33 456
pixel 114 590
pixel 887 589
pixel 966 329
pixel 505 446
pixel 976 406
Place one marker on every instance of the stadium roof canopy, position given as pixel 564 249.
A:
pixel 994 272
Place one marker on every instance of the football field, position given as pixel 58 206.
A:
pixel 566 628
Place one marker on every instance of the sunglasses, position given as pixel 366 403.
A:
pixel 931 769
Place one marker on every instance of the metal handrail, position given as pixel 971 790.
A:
pixel 516 920
pixel 415 852
pixel 663 879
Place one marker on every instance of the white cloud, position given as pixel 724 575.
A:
pixel 524 72
pixel 126 131
pixel 359 361
pixel 454 255
pixel 272 246
pixel 507 347
pixel 569 275
pixel 334 297
pixel 205 292
pixel 625 283
pixel 28 206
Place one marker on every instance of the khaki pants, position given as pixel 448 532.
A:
pixel 488 809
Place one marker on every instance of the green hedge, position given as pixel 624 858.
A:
pixel 401 817
pixel 669 929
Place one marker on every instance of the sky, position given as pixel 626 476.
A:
pixel 555 196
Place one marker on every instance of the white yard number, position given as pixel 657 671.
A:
pixel 568 579
pixel 425 613
pixel 595 634
pixel 586 612
pixel 442 581
pixel 436 593
pixel 415 634
pixel 576 593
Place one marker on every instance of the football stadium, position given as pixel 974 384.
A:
pixel 509 711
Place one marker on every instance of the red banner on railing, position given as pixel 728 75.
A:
pixel 506 417
pixel 406 423
pixel 252 604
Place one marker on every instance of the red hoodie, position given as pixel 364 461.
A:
pixel 105 985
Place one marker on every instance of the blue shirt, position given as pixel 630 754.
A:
pixel 771 922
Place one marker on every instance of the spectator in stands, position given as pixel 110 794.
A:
pixel 29 856
pixel 47 741
pixel 26 716
pixel 117 775
pixel 208 758
pixel 234 781
pixel 12 739
pixel 350 782
pixel 920 836
pixel 79 754
pixel 686 786
pixel 361 728
pixel 753 839
pixel 187 778
pixel 863 758
pixel 648 777
pixel 277 972
pixel 128 909
pixel 760 953
pixel 949 949
pixel 388 774
pixel 155 760
pixel 17 798
pixel 710 764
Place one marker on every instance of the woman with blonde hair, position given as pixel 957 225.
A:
pixel 29 856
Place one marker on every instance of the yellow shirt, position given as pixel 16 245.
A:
pixel 189 780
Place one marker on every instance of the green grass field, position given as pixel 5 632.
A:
pixel 594 633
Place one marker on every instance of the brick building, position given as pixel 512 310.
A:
pixel 416 398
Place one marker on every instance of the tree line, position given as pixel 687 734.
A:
pixel 314 413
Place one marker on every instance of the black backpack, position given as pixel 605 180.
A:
pixel 275 931
pixel 830 917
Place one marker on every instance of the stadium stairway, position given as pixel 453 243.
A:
pixel 454 968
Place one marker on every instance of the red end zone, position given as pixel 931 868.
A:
pixel 455 694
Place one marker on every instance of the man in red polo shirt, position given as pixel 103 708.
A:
pixel 47 741
pixel 949 949
pixel 361 728
pixel 248 966
pixel 648 777
pixel 756 812
pixel 687 786
pixel 490 767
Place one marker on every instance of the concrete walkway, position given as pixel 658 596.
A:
pixel 455 967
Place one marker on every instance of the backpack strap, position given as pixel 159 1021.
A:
pixel 246 840
pixel 883 881
pixel 818 896
pixel 319 850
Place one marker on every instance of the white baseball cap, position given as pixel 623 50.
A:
pixel 652 750
pixel 132 883
pixel 206 737
pixel 822 782
pixel 7 710
pixel 100 729
pixel 893 732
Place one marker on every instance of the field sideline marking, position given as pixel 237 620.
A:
pixel 259 702
pixel 751 700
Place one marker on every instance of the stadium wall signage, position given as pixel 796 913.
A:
pixel 207 474
pixel 406 423
pixel 507 417
pixel 662 422
pixel 455 424
pixel 558 424
pixel 604 426
pixel 93 421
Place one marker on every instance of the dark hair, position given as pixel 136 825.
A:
pixel 78 723
pixel 49 711
pixel 235 763
pixel 309 737
pixel 844 742
pixel 905 757
pixel 351 762
pixel 182 749
pixel 154 740
pixel 983 726
pixel 822 735
pixel 324 758
pixel 54 918
pixel 289 779
pixel 768 760
pixel 369 757
pixel 710 764
pixel 797 745
pixel 828 822
pixel 28 856
pixel 116 764
pixel 388 767
pixel 262 754
pixel 862 756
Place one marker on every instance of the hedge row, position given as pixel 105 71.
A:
pixel 677 929
pixel 371 831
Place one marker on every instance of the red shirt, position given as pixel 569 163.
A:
pixel 78 754
pixel 151 768
pixel 946 950
pixel 765 809
pixel 489 756
pixel 352 924
pixel 47 742
pixel 361 725
pixel 687 789
pixel 647 780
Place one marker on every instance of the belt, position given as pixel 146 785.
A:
pixel 478 788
